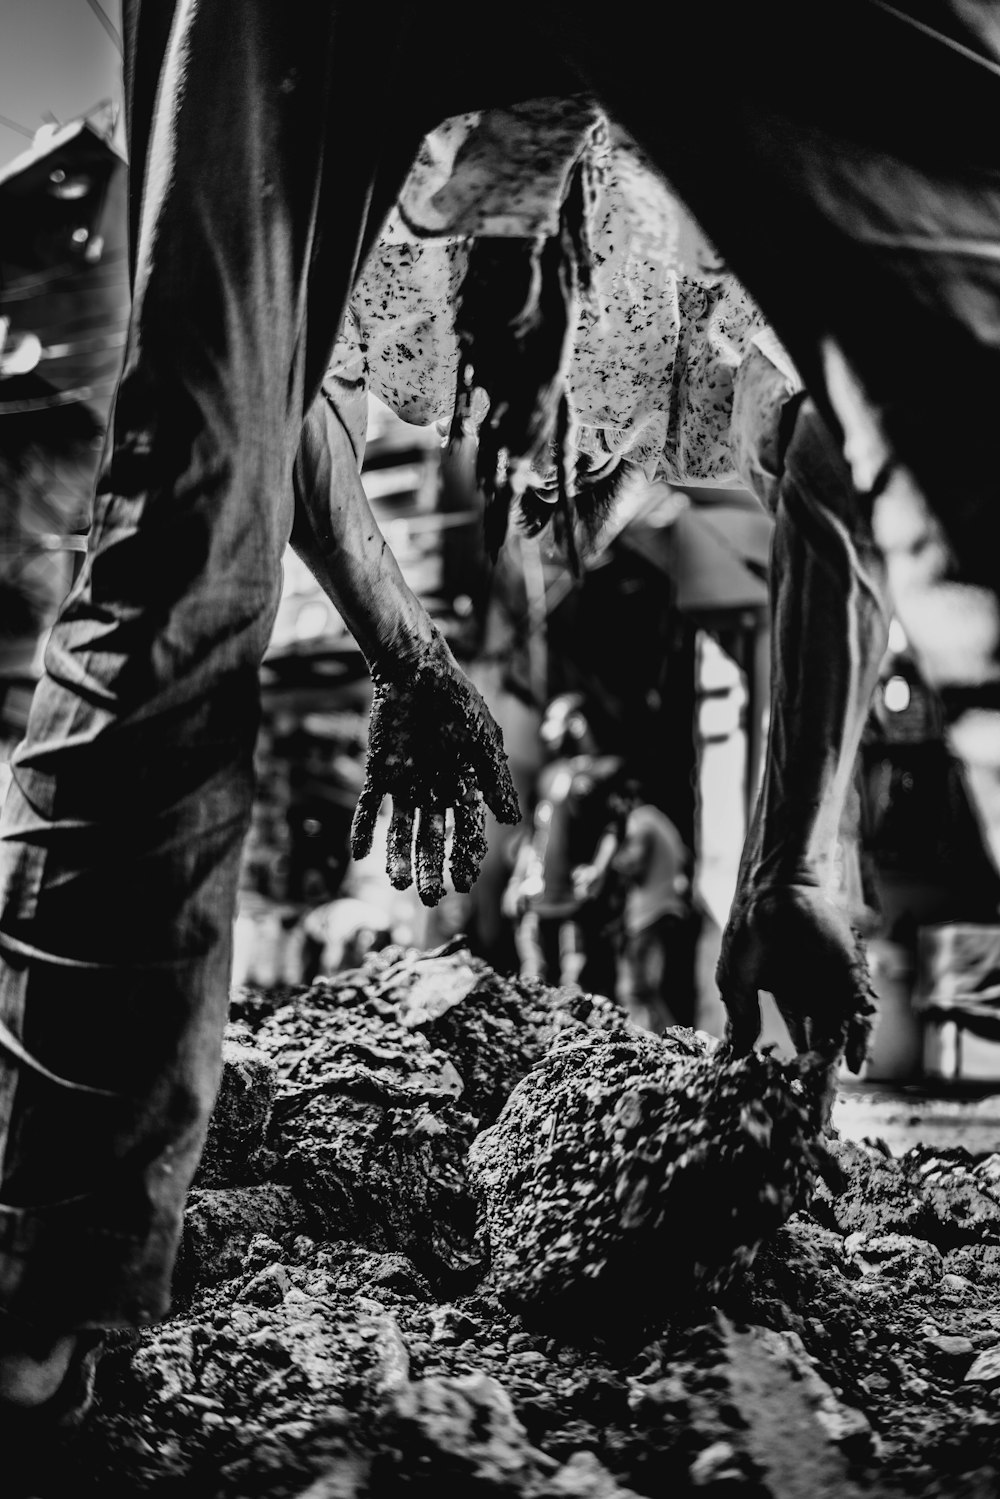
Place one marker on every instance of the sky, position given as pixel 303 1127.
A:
pixel 56 58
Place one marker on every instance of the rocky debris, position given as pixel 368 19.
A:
pixel 916 1262
pixel 986 1368
pixel 799 1436
pixel 319 1349
pixel 879 1198
pixel 221 1223
pixel 367 1129
pixel 502 1030
pixel 268 1395
pixel 452 1435
pixel 237 1132
pixel 627 1170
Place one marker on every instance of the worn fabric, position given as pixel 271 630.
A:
pixel 659 329
pixel 131 793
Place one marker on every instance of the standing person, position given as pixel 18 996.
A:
pixel 564 936
pixel 643 863
pixel 656 976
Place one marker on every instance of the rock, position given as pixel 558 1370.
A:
pixel 348 1479
pixel 268 1287
pixel 982 1263
pixel 370 1131
pixel 796 1430
pixel 497 1034
pixel 897 1257
pixel 432 986
pixel 450 1325
pixel 290 1371
pixel 238 1126
pixel 964 1211
pixel 261 1252
pixel 529 1359
pixel 715 1464
pixel 398 1273
pixel 879 1198
pixel 626 1170
pixel 988 1170
pixel 582 1477
pixel 962 1263
pixel 219 1225
pixel 954 1352
pixel 450 1432
pixel 985 1368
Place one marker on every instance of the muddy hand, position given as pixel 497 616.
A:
pixel 432 745
pixel 794 944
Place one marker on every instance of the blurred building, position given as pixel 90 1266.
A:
pixel 64 302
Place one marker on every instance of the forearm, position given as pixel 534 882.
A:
pixel 830 623
pixel 337 536
pixel 606 850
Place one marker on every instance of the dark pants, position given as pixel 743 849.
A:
pixel 266 142
pixel 656 985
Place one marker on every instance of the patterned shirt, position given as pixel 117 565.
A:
pixel 659 335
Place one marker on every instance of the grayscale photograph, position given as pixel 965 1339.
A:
pixel 499 750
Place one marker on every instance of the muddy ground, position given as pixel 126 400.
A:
pixel 339 1332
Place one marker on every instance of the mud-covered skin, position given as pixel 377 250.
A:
pixel 768 943
pixel 432 745
pixel 432 742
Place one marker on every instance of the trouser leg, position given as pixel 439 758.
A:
pixel 122 832
pixel 644 979
pixel 527 940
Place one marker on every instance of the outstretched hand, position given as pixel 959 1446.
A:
pixel 795 944
pixel 432 745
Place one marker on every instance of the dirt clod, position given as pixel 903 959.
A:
pixel 347 1327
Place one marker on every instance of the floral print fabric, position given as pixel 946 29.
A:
pixel 659 335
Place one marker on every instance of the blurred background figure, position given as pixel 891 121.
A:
pixel 562 936
pixel 660 925
pixel 340 934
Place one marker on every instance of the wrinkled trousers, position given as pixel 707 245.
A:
pixel 266 143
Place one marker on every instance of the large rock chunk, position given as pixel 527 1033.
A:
pixel 231 1399
pixel 219 1225
pixel 237 1130
pixel 627 1169
pixel 369 1128
pixel 451 1436
pixel 878 1197
pixel 493 1029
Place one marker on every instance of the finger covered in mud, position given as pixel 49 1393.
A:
pixel 430 855
pixel 363 824
pixel 468 846
pixel 399 845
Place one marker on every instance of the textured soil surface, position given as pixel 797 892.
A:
pixel 363 1312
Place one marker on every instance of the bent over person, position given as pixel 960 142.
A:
pixel 864 221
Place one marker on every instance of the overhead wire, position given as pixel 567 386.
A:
pixel 107 23
pixel 13 125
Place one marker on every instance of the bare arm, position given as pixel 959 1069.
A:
pixel 432 742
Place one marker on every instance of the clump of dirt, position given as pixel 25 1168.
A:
pixel 339 1333
pixel 628 1170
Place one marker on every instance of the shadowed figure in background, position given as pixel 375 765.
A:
pixel 565 934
